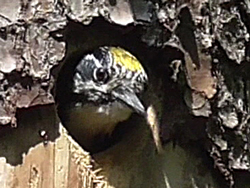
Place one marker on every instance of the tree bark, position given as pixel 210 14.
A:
pixel 196 54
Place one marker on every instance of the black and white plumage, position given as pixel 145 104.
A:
pixel 101 91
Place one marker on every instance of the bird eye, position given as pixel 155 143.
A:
pixel 101 75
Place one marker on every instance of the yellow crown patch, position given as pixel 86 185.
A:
pixel 126 59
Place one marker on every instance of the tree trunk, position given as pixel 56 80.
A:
pixel 196 54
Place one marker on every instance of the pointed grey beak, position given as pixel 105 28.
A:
pixel 130 99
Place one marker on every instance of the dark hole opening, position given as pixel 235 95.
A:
pixel 83 39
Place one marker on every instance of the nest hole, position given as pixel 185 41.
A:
pixel 83 39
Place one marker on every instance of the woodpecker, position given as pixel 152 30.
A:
pixel 102 91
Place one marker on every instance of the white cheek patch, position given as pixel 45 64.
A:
pixel 80 86
pixel 78 83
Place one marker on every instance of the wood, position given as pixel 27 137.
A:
pixel 59 163
pixel 197 56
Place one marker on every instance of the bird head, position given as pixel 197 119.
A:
pixel 110 75
pixel 104 90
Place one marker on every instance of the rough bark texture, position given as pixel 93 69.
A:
pixel 196 53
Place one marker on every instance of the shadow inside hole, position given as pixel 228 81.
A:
pixel 35 125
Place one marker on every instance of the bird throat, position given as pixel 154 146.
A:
pixel 93 124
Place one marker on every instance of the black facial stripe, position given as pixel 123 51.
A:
pixel 103 56
pixel 99 54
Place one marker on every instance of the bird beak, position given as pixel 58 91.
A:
pixel 130 99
